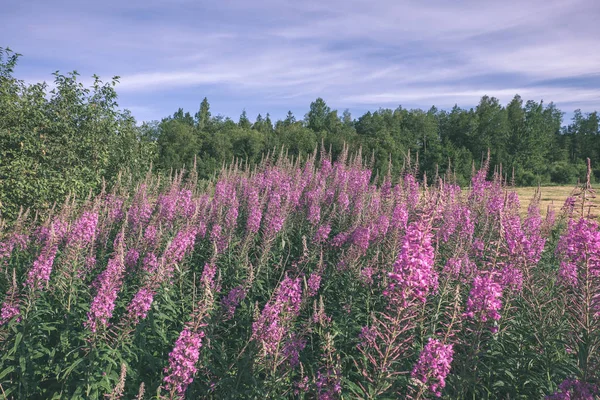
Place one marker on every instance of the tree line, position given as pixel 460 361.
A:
pixel 73 139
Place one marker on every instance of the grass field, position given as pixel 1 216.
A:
pixel 553 196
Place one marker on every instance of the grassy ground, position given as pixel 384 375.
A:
pixel 553 196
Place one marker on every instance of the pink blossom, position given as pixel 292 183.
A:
pixel 9 310
pixel 140 305
pixel 434 365
pixel 573 389
pixel 314 283
pixel 182 362
pixel 485 299
pixel 413 277
pixel 84 231
pixel 39 274
pixel 322 233
pixel 232 300
pixel 109 284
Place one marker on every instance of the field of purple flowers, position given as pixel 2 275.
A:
pixel 302 280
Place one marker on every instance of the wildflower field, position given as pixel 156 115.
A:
pixel 302 281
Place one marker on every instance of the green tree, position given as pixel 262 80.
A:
pixel 203 115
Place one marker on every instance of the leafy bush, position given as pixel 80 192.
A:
pixel 61 141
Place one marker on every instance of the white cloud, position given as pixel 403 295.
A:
pixel 361 52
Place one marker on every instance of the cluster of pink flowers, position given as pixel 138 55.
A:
pixel 108 284
pixel 39 274
pixel 232 300
pixel 9 310
pixel 85 229
pixel 150 263
pixel 459 266
pixel 55 232
pixel 182 362
pixel 131 258
pixel 578 247
pixel 15 240
pixel 180 246
pixel 361 238
pixel 399 217
pixel 174 204
pixel 140 305
pixel 254 209
pixel 314 283
pixel 208 277
pixel 292 348
pixel 151 236
pixel 573 389
pixel 485 298
pixel 270 328
pixel 433 365
pixel 322 233
pixel 411 186
pixel 114 204
pixel 140 210
pixel 328 383
pixel 413 277
pixel 367 336
pixel 274 216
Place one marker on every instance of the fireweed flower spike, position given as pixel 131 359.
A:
pixel 485 299
pixel 433 365
pixel 413 277
pixel 182 362
pixel 109 284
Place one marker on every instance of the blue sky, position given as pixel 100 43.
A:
pixel 278 55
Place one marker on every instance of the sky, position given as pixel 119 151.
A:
pixel 279 55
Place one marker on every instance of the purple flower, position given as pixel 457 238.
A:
pixel 140 305
pixel 151 235
pixel 150 263
pixel 232 300
pixel 485 299
pixel 254 209
pixel 182 362
pixel 579 247
pixel 39 274
pixel 322 233
pixel 208 276
pixel 292 348
pixel 340 239
pixel 433 365
pixel 413 277
pixel 132 258
pixel 16 240
pixel 328 383
pixel 270 328
pixel 8 311
pixel 109 284
pixel 572 389
pixel 274 216
pixel 141 209
pixel 367 336
pixel 314 283
pixel 361 237
pixel 411 186
pixel 181 245
pixel 511 278
pixel 84 231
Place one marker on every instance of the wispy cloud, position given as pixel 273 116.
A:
pixel 274 55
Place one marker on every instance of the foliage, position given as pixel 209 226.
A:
pixel 61 141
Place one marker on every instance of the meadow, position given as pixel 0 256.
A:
pixel 303 280
pixel 552 196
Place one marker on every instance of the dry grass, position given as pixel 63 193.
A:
pixel 553 196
